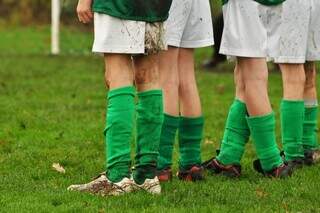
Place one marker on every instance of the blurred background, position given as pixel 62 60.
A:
pixel 29 20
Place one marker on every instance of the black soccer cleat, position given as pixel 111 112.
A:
pixel 311 157
pixel 282 171
pixel 215 167
pixel 195 173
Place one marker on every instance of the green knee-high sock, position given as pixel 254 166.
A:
pixel 118 132
pixel 149 123
pixel 309 138
pixel 262 129
pixel 190 137
pixel 236 135
pixel 168 134
pixel 292 117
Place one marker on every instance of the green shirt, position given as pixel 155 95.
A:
pixel 138 10
pixel 265 2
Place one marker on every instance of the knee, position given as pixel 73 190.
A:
pixel 296 80
pixel 146 76
pixel 113 80
pixel 310 74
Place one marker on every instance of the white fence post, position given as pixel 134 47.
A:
pixel 55 22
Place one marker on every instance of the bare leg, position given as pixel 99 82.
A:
pixel 190 105
pixel 239 84
pixel 147 72
pixel 169 79
pixel 310 89
pixel 293 79
pixel 255 76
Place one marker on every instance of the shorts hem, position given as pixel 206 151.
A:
pixel 289 60
pixel 242 53
pixel 313 58
pixel 119 50
pixel 190 44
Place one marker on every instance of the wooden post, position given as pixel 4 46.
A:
pixel 55 22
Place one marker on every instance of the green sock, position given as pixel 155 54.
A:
pixel 309 138
pixel 190 137
pixel 168 134
pixel 118 132
pixel 262 129
pixel 149 123
pixel 292 116
pixel 236 135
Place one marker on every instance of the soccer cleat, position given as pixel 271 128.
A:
pixel 215 167
pixel 164 175
pixel 151 186
pixel 104 187
pixel 311 157
pixel 282 171
pixel 195 173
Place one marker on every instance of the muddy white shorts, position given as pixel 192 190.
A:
pixel 189 24
pixel 113 35
pixel 313 48
pixel 294 32
pixel 251 29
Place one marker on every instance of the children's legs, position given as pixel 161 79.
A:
pixel 293 79
pixel 310 89
pixel 292 110
pixel 169 79
pixel 118 70
pixel 120 115
pixel 255 76
pixel 309 139
pixel 261 119
pixel 236 133
pixel 149 116
pixel 191 120
pixel 190 105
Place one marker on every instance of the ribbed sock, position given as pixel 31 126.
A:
pixel 118 132
pixel 236 135
pixel 309 138
pixel 292 117
pixel 149 124
pixel 167 139
pixel 262 129
pixel 190 137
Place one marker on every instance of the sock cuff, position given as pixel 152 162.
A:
pixel 240 102
pixel 150 93
pixel 171 120
pixel 240 106
pixel 129 90
pixel 187 121
pixel 294 106
pixel 292 102
pixel 310 103
pixel 265 119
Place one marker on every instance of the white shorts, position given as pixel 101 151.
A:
pixel 113 35
pixel 189 24
pixel 250 29
pixel 294 32
pixel 313 49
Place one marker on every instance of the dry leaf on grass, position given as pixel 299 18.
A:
pixel 207 141
pixel 58 168
pixel 260 193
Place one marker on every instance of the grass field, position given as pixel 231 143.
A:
pixel 52 110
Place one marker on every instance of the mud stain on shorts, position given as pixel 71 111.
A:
pixel 155 38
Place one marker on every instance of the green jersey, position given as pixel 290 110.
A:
pixel 138 10
pixel 265 2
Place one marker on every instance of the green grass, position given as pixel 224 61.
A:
pixel 52 110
